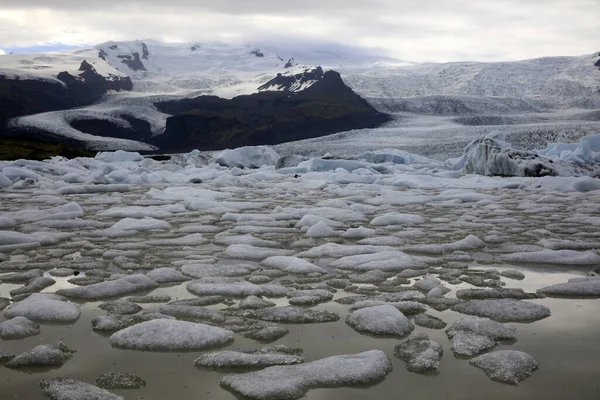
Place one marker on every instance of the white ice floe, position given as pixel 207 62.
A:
pixel 170 335
pixel 397 219
pixel 292 265
pixel 247 252
pixel 503 310
pixel 334 250
pixel 234 287
pixel 119 287
pixel 10 241
pixel 506 366
pixel 472 335
pixel 471 242
pixel 296 315
pixel 292 382
pixel 44 355
pixel 575 287
pixel 247 157
pixel 420 354
pixel 255 303
pixel 143 224
pixel 383 320
pixel 42 307
pixel 70 389
pixel 384 260
pixel 255 359
pixel 18 328
pixel 565 257
pixel 320 230
pixel 215 270
pixel 360 233
pixel 119 156
pixel 166 275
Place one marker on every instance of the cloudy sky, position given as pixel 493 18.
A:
pixel 416 30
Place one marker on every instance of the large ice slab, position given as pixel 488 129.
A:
pixel 576 287
pixel 103 290
pixel 170 335
pixel 292 382
pixel 506 366
pixel 382 320
pixel 44 308
pixel 503 310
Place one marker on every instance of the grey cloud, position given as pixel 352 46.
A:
pixel 417 30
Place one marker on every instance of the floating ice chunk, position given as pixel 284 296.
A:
pixel 420 354
pixel 10 241
pixel 83 189
pixel 292 382
pixel 320 230
pixel 120 307
pixel 109 323
pixel 405 307
pixel 212 270
pixel 429 321
pixel 119 156
pixel 70 389
pixel 233 287
pixel 466 196
pixel 471 242
pixel 234 217
pixel 360 232
pixel 506 366
pixel 119 287
pixel 563 244
pixel 495 293
pixel 42 356
pixel 166 275
pixel 472 335
pixel 503 310
pixel 565 257
pixel 296 315
pixel 16 174
pixel 384 320
pixel 4 181
pixel 7 223
pixel 246 252
pixel 44 308
pixel 18 328
pixel 268 333
pixel 309 297
pixel 170 335
pixel 119 380
pixel 247 157
pixel 513 274
pixel 144 224
pixel 151 298
pixel 576 287
pixel 293 265
pixel 397 219
pixel 35 285
pixel 141 212
pixel 309 220
pixel 255 303
pixel 384 260
pixel 255 359
pixel 190 313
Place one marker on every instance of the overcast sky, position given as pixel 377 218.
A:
pixel 415 30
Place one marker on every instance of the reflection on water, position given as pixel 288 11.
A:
pixel 565 345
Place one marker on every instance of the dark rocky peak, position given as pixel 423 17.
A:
pixel 114 47
pixel 293 82
pixel 145 52
pixel 597 63
pixel 86 66
pixel 194 48
pixel 290 63
pixel 257 53
pixel 133 61
pixel 102 54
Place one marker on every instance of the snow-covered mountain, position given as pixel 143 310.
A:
pixel 162 72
